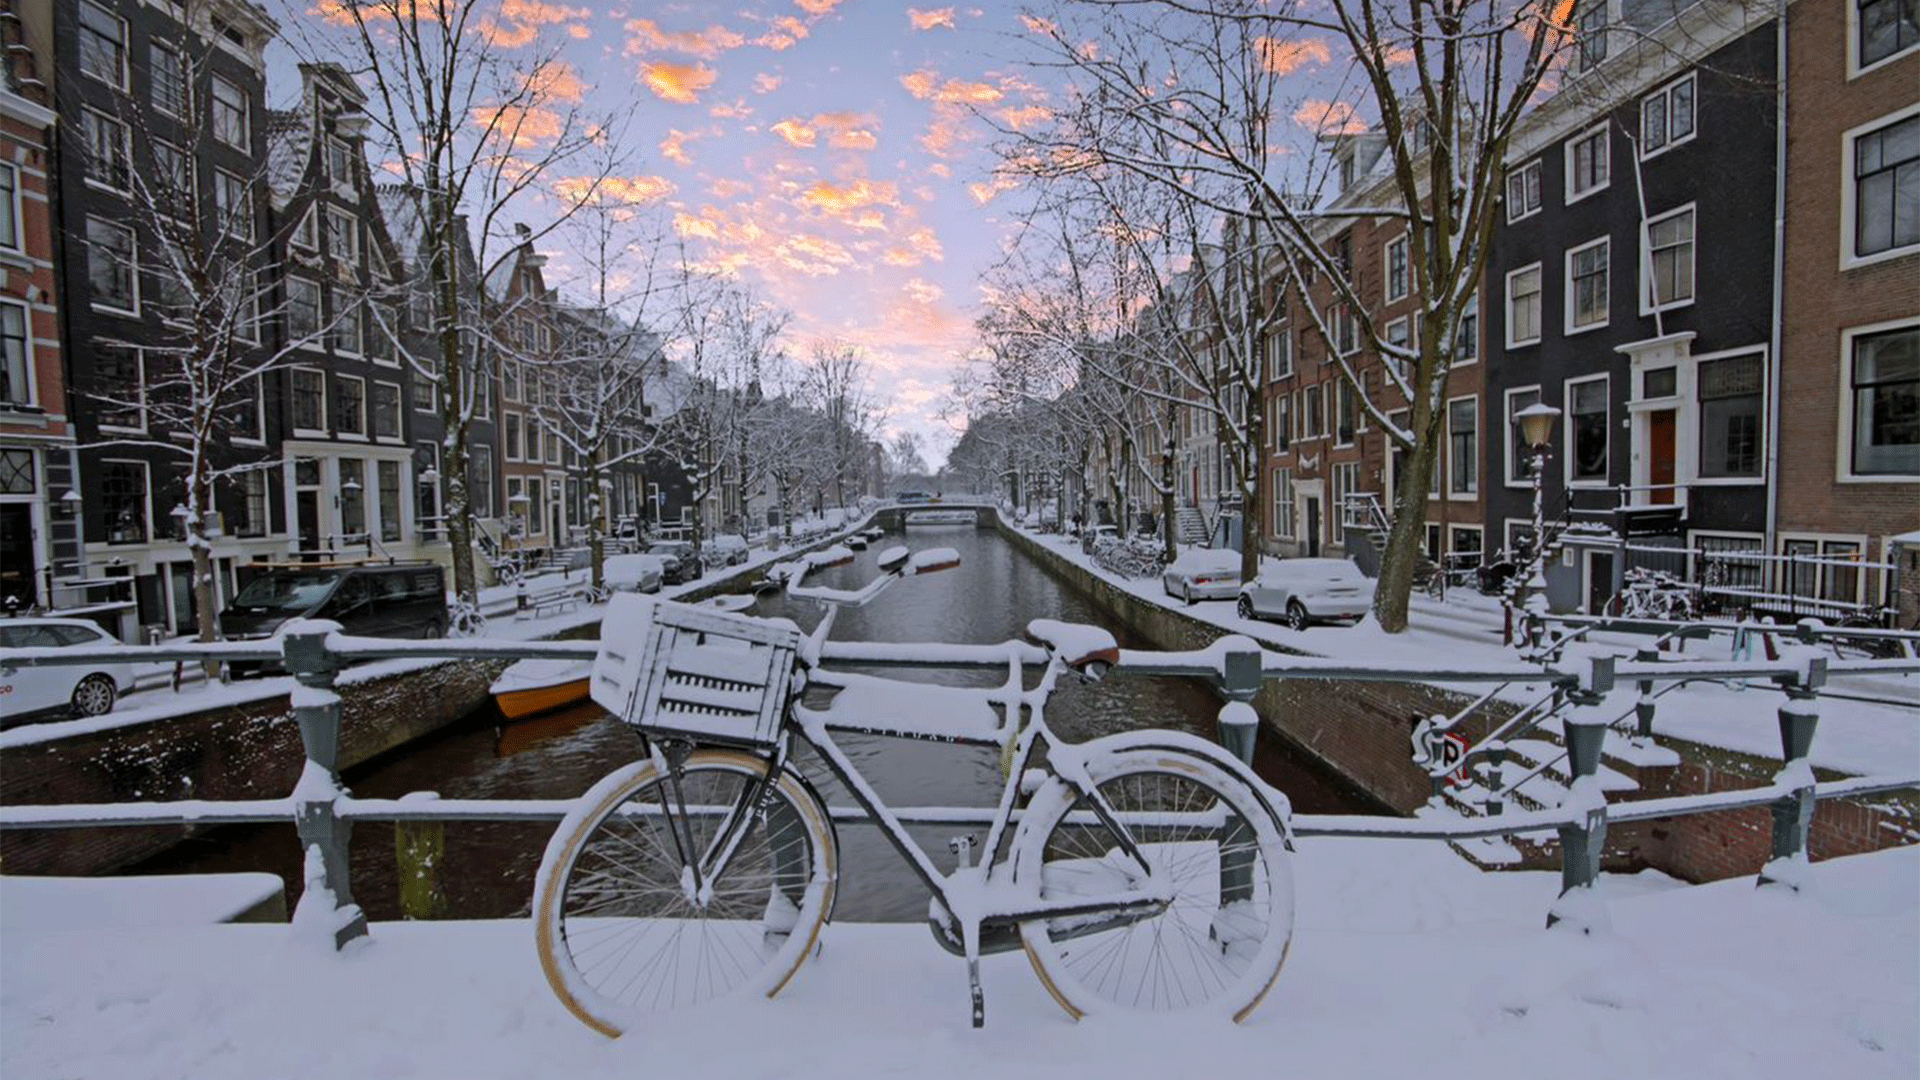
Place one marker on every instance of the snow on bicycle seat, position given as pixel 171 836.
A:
pixel 925 709
pixel 1076 643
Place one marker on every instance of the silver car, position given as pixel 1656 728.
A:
pixel 634 573
pixel 1306 591
pixel 1202 574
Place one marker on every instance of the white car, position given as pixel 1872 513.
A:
pixel 725 550
pixel 1305 591
pixel 82 689
pixel 1203 574
pixel 634 573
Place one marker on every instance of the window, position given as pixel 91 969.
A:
pixel 1396 332
pixel 1587 164
pixel 123 501
pixel 1587 431
pixel 1397 269
pixel 1466 341
pixel 1885 389
pixel 1463 449
pixel 169 79
pixel 1592 30
pixel 103 44
pixel 480 480
pixel 1312 414
pixel 1886 188
pixel 344 335
pixel 511 440
pixel 1523 306
pixel 1344 480
pixel 232 204
pixel 172 178
pixel 386 410
pixel 244 414
pixel 388 474
pixel 309 400
pixel 423 396
pixel 353 497
pixel 1587 286
pixel 510 380
pixel 1467 543
pixel 343 236
pixel 1666 117
pixel 426 489
pixel 1821 569
pixel 108 151
pixel 1669 239
pixel 1731 562
pixel 379 327
pixel 1519 454
pixel 120 374
pixel 350 407
pixel 1348 419
pixel 339 162
pixel 10 207
pixel 1279 354
pixel 1730 391
pixel 252 505
pixel 1886 28
pixel 1282 496
pixel 303 311
pixel 1523 191
pixel 536 505
pixel 111 266
pixel 305 234
pixel 1282 422
pixel 230 114
pixel 1346 330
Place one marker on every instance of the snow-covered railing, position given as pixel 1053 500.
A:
pixel 324 812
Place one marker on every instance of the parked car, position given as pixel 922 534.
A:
pixel 1203 574
pixel 724 550
pixel 682 564
pixel 82 690
pixel 634 573
pixel 402 601
pixel 1305 591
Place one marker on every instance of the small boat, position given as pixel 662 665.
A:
pixel 728 602
pixel 535 686
pixel 858 541
pixel 873 534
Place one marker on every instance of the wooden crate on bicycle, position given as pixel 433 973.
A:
pixel 710 676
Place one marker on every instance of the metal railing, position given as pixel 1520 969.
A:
pixel 324 811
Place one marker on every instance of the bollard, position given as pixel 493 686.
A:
pixel 1793 813
pixel 1240 679
pixel 419 850
pixel 328 898
pixel 1496 763
pixel 1644 705
pixel 1582 841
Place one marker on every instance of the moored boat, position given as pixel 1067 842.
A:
pixel 535 686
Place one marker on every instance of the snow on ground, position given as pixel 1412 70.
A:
pixel 1406 962
pixel 1854 736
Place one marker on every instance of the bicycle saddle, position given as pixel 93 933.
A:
pixel 1086 649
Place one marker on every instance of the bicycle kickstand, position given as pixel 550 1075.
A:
pixel 970 941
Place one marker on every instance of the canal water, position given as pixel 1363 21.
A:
pixel 487 869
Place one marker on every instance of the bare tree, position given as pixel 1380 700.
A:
pixel 1192 96
pixel 477 122
pixel 838 384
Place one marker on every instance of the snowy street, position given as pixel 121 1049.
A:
pixel 1406 962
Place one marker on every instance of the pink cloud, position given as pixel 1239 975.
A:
pixel 680 83
pixel 1328 117
pixel 929 19
pixel 645 35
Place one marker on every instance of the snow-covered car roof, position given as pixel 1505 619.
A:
pixel 635 564
pixel 1309 568
pixel 1206 559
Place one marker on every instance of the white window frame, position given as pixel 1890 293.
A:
pixel 186 80
pixel 326 402
pixel 1569 328
pixel 152 527
pixel 511 435
pixel 1849 193
pixel 1514 342
pixel 140 378
pixel 246 202
pixel 17 208
pixel 1854 69
pixel 31 399
pixel 1406 268
pixel 1601 129
pixel 1284 525
pixel 306 234
pixel 399 413
pixel 1667 92
pixel 126 46
pixel 1472 494
pixel 319 340
pixel 1453 529
pixel 259 415
pixel 365 433
pixel 1280 347
pixel 352 254
pixel 134 255
pixel 1695 416
pixel 1506 463
pixel 1537 169
pixel 1565 423
pixel 1843 459
pixel 1647 305
pixel 96 176
pixel 246 114
pixel 432 406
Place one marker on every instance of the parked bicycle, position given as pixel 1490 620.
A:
pixel 1654 594
pixel 1142 870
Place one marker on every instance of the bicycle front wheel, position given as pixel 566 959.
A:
pixel 628 923
pixel 1218 946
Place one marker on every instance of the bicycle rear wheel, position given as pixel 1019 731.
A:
pixel 622 927
pixel 1218 946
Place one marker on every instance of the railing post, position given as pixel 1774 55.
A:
pixel 1496 764
pixel 1793 813
pixel 1240 679
pixel 1644 705
pixel 327 901
pixel 1583 838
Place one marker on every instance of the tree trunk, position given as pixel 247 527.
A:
pixel 1167 529
pixel 205 616
pixel 596 527
pixel 1402 554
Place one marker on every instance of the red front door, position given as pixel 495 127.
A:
pixel 1660 455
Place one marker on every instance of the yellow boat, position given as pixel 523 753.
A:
pixel 536 686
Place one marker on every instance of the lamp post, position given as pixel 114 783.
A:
pixel 1536 427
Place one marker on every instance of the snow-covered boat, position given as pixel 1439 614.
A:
pixel 942 517
pixel 535 686
pixel 728 602
pixel 858 541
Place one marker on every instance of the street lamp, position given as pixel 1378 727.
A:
pixel 1536 427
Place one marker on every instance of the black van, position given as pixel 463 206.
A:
pixel 403 601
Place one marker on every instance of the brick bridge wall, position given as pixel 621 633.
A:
pixel 1360 731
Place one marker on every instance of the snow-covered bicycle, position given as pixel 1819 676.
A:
pixel 1145 870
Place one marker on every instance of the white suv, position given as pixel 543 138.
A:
pixel 83 689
